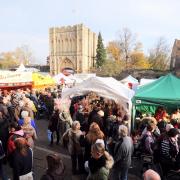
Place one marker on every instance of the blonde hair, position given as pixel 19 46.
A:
pixel 98 148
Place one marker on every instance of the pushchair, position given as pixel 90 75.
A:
pixel 42 110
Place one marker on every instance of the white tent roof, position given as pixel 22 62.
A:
pixel 146 81
pixel 105 87
pixel 21 68
pixel 129 79
pixel 68 79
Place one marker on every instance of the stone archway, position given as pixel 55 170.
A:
pixel 66 63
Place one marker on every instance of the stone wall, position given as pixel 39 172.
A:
pixel 142 73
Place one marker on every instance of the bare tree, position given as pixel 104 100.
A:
pixel 24 54
pixel 126 42
pixel 159 57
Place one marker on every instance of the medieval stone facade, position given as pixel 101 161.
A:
pixel 72 47
pixel 175 56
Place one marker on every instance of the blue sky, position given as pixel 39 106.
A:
pixel 28 21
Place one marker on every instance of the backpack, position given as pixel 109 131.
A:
pixel 10 144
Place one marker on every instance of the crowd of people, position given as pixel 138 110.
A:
pixel 93 129
pixel 18 131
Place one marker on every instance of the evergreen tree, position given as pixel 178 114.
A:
pixel 100 52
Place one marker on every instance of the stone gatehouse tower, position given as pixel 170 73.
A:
pixel 73 47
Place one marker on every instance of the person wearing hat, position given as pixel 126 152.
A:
pixel 55 169
pixel 169 150
pixel 72 137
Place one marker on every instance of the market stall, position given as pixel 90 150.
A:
pixel 162 92
pixel 11 80
pixel 109 88
pixel 130 82
pixel 41 81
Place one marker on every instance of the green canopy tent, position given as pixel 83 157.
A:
pixel 163 92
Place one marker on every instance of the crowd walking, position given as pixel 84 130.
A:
pixel 94 130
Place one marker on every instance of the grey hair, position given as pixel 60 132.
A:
pixel 123 131
pixel 75 124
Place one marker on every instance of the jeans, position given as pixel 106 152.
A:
pixel 57 136
pixel 2 174
pixel 119 173
pixel 77 159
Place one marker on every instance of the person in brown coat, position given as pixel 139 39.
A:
pixel 55 170
pixel 75 150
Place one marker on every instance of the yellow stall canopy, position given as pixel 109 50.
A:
pixel 40 81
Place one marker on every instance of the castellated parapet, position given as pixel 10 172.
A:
pixel 73 47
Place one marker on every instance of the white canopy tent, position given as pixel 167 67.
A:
pixel 106 87
pixel 129 79
pixel 68 79
pixel 21 68
pixel 144 81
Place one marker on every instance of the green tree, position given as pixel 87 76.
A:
pixel 111 68
pixel 100 52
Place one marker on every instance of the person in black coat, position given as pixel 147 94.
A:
pixel 4 131
pixel 97 117
pixel 22 159
pixel 54 126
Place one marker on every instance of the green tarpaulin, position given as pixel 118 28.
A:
pixel 163 92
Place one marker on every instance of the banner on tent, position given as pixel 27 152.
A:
pixel 15 77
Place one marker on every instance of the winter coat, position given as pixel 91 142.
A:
pixel 73 141
pixel 4 131
pixel 122 152
pixel 54 122
pixel 97 119
pixel 55 174
pixel 21 164
pixel 99 169
pixel 30 135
